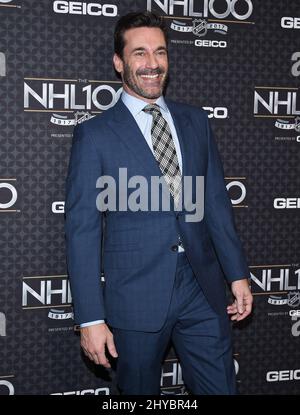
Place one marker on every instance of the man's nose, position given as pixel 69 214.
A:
pixel 152 61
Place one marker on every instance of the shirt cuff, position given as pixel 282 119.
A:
pixel 92 323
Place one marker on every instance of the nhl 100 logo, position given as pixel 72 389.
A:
pixel 240 9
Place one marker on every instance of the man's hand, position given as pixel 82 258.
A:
pixel 93 341
pixel 242 305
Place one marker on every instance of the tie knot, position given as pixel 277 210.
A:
pixel 152 109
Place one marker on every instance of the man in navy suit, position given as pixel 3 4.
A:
pixel 164 270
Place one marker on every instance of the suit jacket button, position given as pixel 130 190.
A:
pixel 174 248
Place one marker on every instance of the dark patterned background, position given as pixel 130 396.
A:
pixel 41 355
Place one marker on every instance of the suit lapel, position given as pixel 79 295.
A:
pixel 125 126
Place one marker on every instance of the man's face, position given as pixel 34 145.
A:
pixel 144 66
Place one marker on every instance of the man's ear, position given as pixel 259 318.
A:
pixel 118 63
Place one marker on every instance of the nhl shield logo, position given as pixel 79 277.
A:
pixel 297 124
pixel 199 27
pixel 81 116
pixel 293 298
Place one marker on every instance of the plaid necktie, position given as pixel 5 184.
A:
pixel 164 151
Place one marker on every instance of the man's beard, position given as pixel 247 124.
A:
pixel 129 80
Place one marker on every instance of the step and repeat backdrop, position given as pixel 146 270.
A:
pixel 240 61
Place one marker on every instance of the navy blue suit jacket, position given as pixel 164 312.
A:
pixel 138 261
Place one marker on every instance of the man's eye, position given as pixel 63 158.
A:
pixel 139 53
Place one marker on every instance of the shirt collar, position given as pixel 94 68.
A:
pixel 136 105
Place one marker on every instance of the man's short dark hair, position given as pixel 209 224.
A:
pixel 134 20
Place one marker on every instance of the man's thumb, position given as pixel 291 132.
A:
pixel 111 347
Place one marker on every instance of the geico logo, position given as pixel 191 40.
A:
pixel 210 43
pixel 217 112
pixel 78 7
pixel 99 391
pixel 294 313
pixel 13 197
pixel 58 207
pixel 8 385
pixel 290 22
pixel 287 203
pixel 208 7
pixel 283 375
pixel 242 188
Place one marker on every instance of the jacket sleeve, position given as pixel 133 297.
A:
pixel 83 228
pixel 219 216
